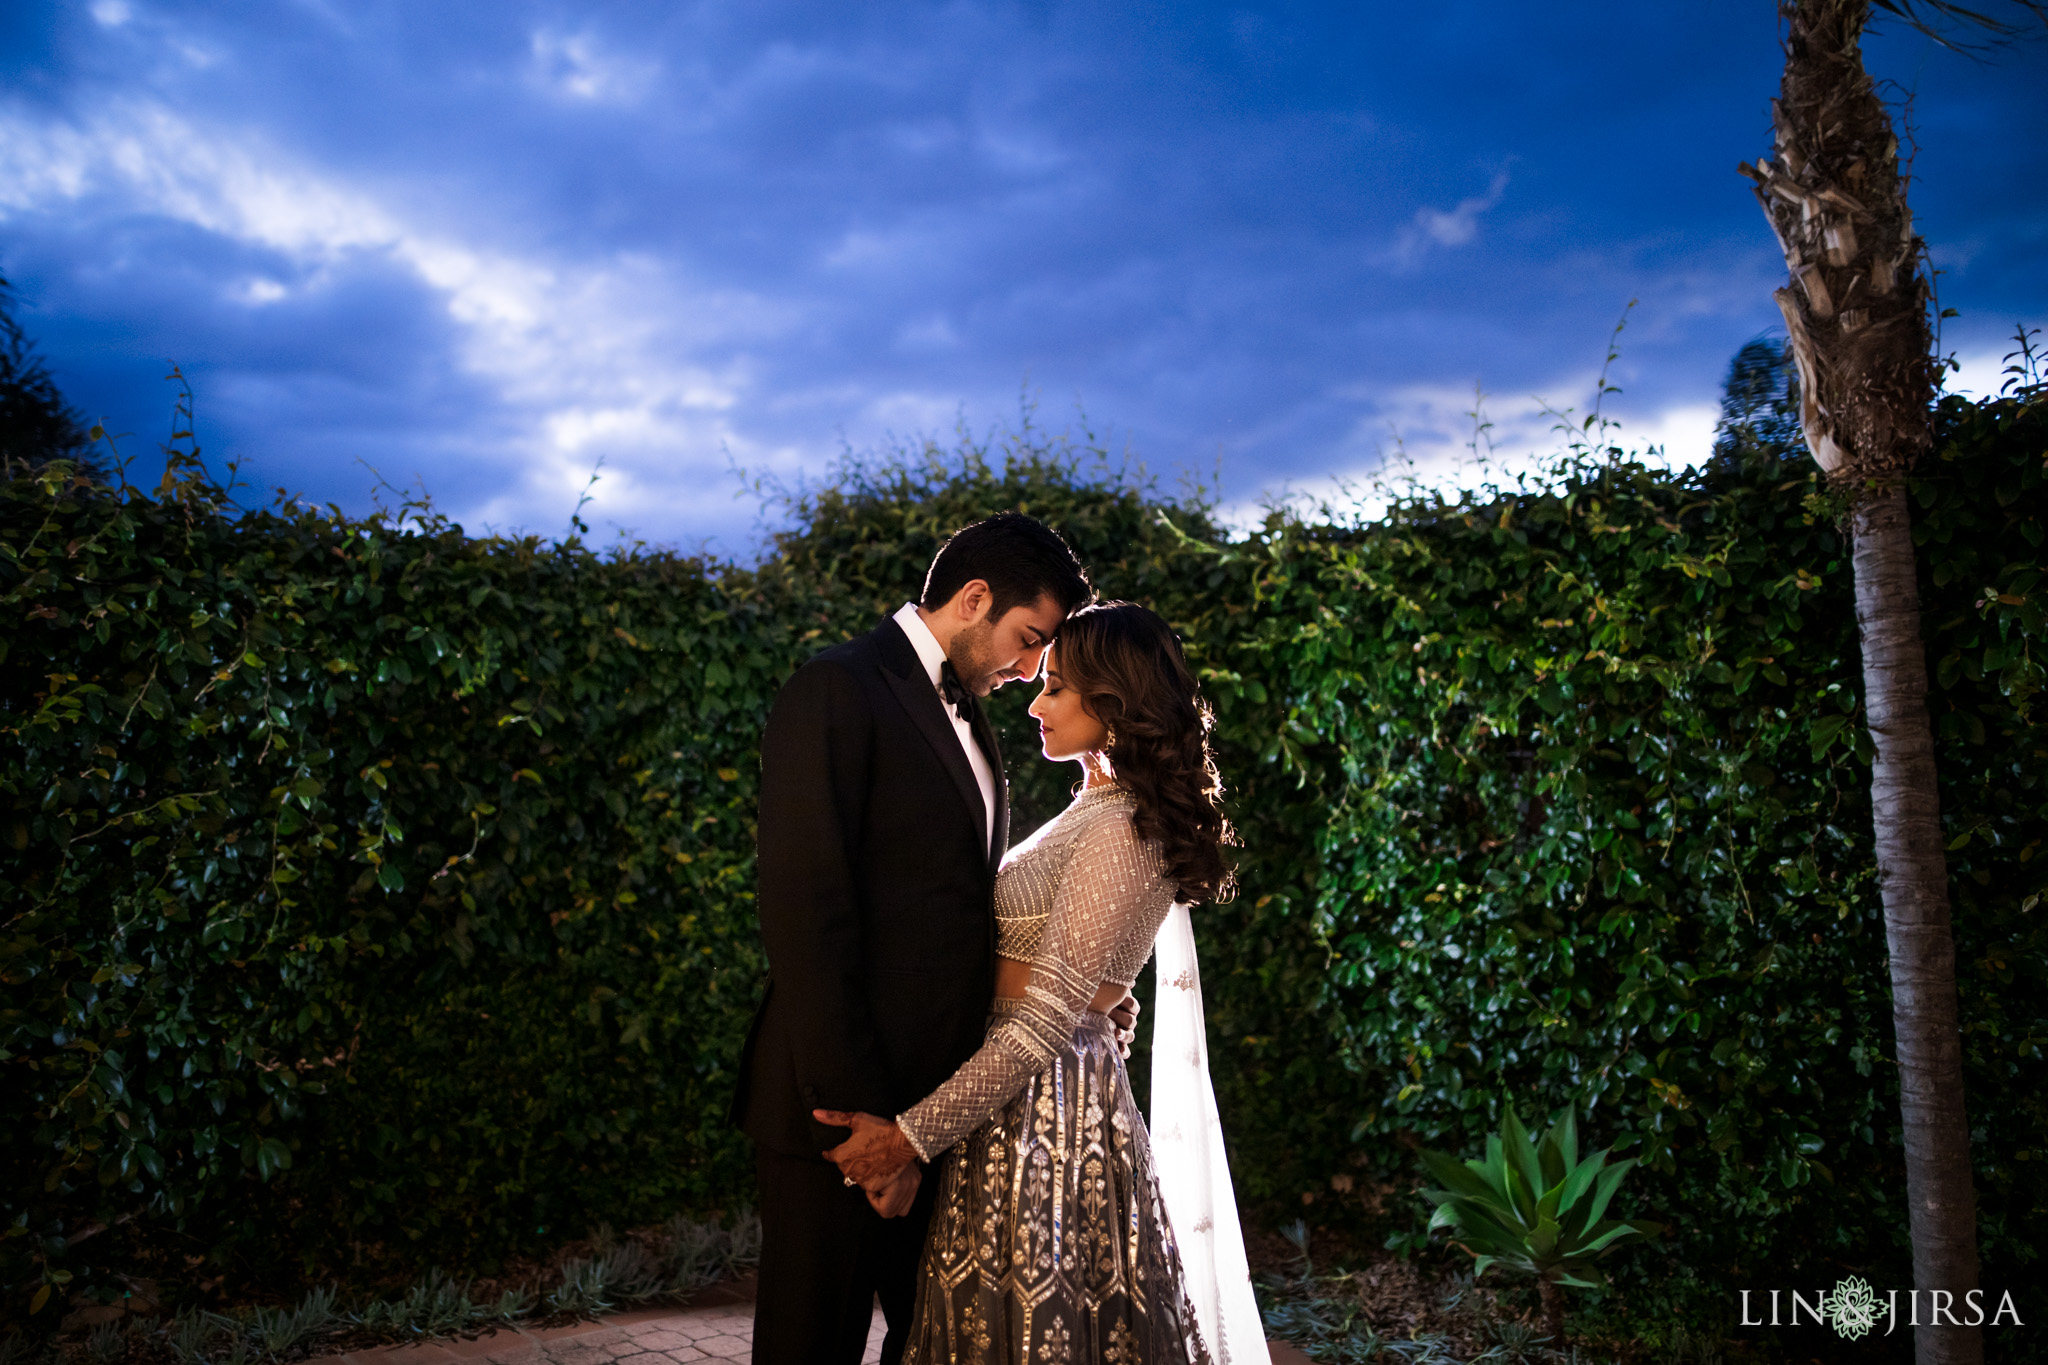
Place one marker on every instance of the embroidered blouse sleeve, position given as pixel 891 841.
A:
pixel 1114 884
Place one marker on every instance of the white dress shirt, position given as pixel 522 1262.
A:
pixel 933 657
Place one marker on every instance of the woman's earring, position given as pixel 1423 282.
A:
pixel 1109 738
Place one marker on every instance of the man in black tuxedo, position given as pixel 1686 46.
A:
pixel 883 818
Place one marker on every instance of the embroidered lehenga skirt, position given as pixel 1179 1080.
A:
pixel 1049 1244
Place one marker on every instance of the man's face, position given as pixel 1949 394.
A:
pixel 990 653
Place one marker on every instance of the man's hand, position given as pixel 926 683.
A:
pixel 1124 1014
pixel 895 1201
pixel 876 1153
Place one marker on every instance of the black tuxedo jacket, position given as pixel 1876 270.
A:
pixel 875 895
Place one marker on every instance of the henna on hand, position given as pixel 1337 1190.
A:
pixel 895 1199
pixel 875 1154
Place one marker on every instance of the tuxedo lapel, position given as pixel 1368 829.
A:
pixel 922 704
pixel 985 736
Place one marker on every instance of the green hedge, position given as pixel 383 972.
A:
pixel 383 894
pixel 1598 826
pixel 376 884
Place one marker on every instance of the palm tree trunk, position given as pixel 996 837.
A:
pixel 1857 318
pixel 1912 870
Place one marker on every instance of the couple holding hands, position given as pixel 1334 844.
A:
pixel 963 1008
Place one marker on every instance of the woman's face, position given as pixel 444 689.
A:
pixel 1065 729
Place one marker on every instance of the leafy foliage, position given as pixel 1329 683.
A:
pixel 1537 1208
pixel 366 882
pixel 673 1262
pixel 36 424
pixel 1372 1318
pixel 380 893
pixel 1760 403
pixel 1599 832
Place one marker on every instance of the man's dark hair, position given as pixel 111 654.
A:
pixel 1021 560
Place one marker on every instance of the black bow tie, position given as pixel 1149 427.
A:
pixel 955 692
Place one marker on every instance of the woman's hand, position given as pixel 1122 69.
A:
pixel 1124 1014
pixel 895 1201
pixel 874 1156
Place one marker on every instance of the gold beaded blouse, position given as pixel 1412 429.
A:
pixel 1081 900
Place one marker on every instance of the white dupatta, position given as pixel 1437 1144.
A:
pixel 1187 1153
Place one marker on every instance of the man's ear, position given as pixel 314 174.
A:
pixel 973 601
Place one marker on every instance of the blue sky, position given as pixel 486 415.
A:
pixel 483 244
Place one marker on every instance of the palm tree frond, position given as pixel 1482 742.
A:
pixel 1941 19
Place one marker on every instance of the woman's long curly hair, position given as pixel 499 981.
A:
pixel 1128 669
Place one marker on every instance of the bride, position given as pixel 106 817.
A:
pixel 1063 1231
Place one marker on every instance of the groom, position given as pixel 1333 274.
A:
pixel 883 818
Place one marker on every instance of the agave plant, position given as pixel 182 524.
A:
pixel 1535 1208
pixel 185 1336
pixel 695 1254
pixel 277 1330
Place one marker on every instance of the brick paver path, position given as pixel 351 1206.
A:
pixel 657 1336
pixel 714 1331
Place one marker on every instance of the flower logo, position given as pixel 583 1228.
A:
pixel 1852 1308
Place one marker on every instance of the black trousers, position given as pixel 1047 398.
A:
pixel 826 1256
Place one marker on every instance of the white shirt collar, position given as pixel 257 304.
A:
pixel 929 650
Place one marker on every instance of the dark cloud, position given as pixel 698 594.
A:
pixel 485 244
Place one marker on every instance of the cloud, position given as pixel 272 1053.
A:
pixel 614 355
pixel 1981 373
pixel 1448 438
pixel 1455 227
pixel 260 291
pixel 1683 434
pixel 578 66
pixel 1407 436
pixel 492 244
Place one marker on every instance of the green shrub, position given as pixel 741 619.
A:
pixel 1535 1207
pixel 1596 829
pixel 369 885
pixel 381 894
